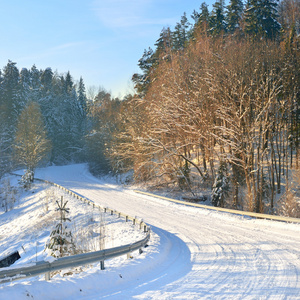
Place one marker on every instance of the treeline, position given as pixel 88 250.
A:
pixel 217 106
pixel 47 118
pixel 63 106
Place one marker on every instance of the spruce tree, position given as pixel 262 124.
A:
pixel 46 80
pixel 204 15
pixel 25 86
pixel 217 21
pixel 181 33
pixel 260 19
pixel 142 81
pixel 164 42
pixel 270 25
pixel 234 15
pixel 35 84
pixel 82 100
pixel 61 241
pixel 9 97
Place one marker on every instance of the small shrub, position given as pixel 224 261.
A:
pixel 61 240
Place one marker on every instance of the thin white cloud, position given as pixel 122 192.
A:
pixel 126 13
pixel 65 46
pixel 43 53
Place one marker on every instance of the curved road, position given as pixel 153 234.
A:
pixel 205 254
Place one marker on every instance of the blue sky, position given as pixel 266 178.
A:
pixel 100 40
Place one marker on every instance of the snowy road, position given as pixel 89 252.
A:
pixel 204 254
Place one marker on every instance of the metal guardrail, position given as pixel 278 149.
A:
pixel 105 209
pixel 232 211
pixel 44 267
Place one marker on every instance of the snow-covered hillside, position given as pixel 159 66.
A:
pixel 194 253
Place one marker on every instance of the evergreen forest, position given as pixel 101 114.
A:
pixel 215 113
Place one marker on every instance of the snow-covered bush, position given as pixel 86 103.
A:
pixel 27 179
pixel 220 187
pixel 8 195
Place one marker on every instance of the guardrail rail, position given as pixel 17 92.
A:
pixel 231 211
pixel 44 267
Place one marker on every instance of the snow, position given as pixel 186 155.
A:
pixel 194 253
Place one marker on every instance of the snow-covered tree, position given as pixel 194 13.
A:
pixel 61 240
pixel 260 18
pixel 234 15
pixel 181 33
pixel 141 81
pixel 220 187
pixel 82 100
pixel 31 144
pixel 164 43
pixel 202 21
pixel 217 20
pixel 9 94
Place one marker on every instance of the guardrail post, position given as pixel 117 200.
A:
pixel 111 212
pixel 119 215
pixel 47 276
pixel 126 218
pixel 133 221
pixel 145 228
pixel 102 265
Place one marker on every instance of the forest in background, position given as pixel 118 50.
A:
pixel 216 111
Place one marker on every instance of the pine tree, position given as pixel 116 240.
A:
pixel 24 86
pixel 260 19
pixel 142 81
pixel 82 100
pixel 35 84
pixel 5 147
pixel 181 33
pixel 9 111
pixel 234 15
pixel 164 42
pixel 270 25
pixel 46 80
pixel 69 85
pixel 217 21
pixel 70 133
pixel 9 98
pixel 61 241
pixel 202 19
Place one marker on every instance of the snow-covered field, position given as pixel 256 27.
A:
pixel 194 253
